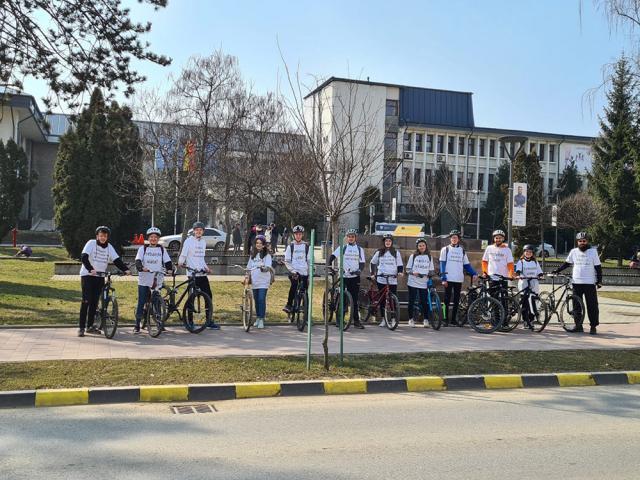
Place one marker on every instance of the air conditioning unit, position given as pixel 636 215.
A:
pixel 408 156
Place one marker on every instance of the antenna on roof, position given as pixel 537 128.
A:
pixel 367 79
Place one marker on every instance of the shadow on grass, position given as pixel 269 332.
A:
pixel 41 292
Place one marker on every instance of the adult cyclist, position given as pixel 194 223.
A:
pixel 497 262
pixel 296 259
pixel 354 262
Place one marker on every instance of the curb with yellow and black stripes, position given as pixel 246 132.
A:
pixel 230 391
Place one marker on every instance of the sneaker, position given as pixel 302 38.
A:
pixel 577 329
pixel 593 331
pixel 382 324
pixel 213 326
pixel 92 329
pixel 81 332
pixel 358 325
pixel 260 323
pixel 136 330
pixel 412 324
pixel 287 309
pixel 425 323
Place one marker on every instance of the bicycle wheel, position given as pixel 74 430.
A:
pixel 300 312
pixel 512 314
pixel 246 310
pixel 463 309
pixel 348 311
pixel 485 314
pixel 197 311
pixel 364 305
pixel 391 313
pixel 109 320
pixel 541 316
pixel 332 305
pixel 155 315
pixel 435 310
pixel 571 312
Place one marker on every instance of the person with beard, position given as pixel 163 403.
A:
pixel 587 278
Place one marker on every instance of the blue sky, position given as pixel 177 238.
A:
pixel 528 63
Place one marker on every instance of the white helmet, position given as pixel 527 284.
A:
pixel 498 232
pixel 298 228
pixel 155 230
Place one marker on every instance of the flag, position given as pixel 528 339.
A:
pixel 188 163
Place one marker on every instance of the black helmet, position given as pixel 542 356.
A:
pixel 454 232
pixel 582 236
pixel 528 246
pixel 198 225
pixel 103 228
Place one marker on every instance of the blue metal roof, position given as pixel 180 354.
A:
pixel 426 106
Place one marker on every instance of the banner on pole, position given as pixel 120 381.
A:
pixel 519 205
pixel 554 215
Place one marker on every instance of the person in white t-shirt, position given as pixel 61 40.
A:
pixel 386 261
pixel 96 256
pixel 453 265
pixel 193 256
pixel 497 264
pixel 587 278
pixel 354 262
pixel 419 267
pixel 150 260
pixel 528 272
pixel 260 277
pixel 296 259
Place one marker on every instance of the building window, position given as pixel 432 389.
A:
pixel 533 147
pixel 459 182
pixel 552 153
pixel 541 151
pixel 391 141
pixel 450 145
pixel 550 187
pixel 492 148
pixel 407 142
pixel 490 184
pixel 501 150
pixel 472 146
pixel 469 181
pixel 481 182
pixel 440 143
pixel 481 144
pixel 417 177
pixel 418 142
pixel 429 143
pixel 406 176
pixel 461 145
pixel 392 108
pixel 427 177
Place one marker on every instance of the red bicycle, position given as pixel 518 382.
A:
pixel 370 300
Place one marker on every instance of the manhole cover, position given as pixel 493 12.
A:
pixel 190 409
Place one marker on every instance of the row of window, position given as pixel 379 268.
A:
pixel 418 142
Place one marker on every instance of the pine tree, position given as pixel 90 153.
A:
pixel 14 182
pixel 526 169
pixel 493 213
pixel 615 155
pixel 570 182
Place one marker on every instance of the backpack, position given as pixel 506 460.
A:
pixel 144 252
pixel 360 251
pixel 306 249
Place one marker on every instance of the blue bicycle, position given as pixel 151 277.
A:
pixel 435 315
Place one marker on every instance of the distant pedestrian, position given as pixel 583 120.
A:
pixel 237 239
pixel 24 251
pixel 366 229
pixel 274 237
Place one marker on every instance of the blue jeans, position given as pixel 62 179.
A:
pixel 260 299
pixel 143 293
pixel 420 296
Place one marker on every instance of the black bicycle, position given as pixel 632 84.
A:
pixel 485 314
pixel 567 307
pixel 198 308
pixel 298 312
pixel 108 313
pixel 533 311
pixel 334 301
pixel 155 308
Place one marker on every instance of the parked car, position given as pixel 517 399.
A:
pixel 546 251
pixel 215 239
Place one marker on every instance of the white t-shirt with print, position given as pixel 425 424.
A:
pixel 584 264
pixel 529 269
pixel 499 259
pixel 422 264
pixel 99 257
pixel 299 260
pixel 193 254
pixel 456 258
pixel 260 279
pixel 353 257
pixel 152 259
pixel 388 265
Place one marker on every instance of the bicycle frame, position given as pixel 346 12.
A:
pixel 377 296
pixel 566 287
pixel 172 304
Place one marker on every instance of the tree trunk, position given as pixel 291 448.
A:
pixel 325 340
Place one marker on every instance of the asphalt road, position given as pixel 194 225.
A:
pixel 567 433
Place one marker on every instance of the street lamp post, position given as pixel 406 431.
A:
pixel 477 193
pixel 512 157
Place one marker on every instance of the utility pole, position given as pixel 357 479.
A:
pixel 512 157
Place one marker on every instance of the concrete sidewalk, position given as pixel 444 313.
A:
pixel 62 343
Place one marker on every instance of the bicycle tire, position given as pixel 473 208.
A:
pixel 571 312
pixel 463 309
pixel 542 317
pixel 246 310
pixel 155 315
pixel 418 316
pixel 485 314
pixel 197 303
pixel 109 318
pixel 391 313
pixel 300 312
pixel 347 317
pixel 512 315
pixel 364 305
pixel 435 311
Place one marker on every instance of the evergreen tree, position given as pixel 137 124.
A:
pixel 615 156
pixel 493 215
pixel 14 183
pixel 570 181
pixel 526 169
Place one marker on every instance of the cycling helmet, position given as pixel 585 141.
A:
pixel 420 239
pixel 198 225
pixel 498 232
pixel 103 228
pixel 298 228
pixel 387 235
pixel 262 238
pixel 352 231
pixel 582 236
pixel 155 230
pixel 454 232
pixel 528 246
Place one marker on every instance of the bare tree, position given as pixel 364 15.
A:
pixel 458 206
pixel 429 201
pixel 578 211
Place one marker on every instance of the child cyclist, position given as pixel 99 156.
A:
pixel 453 264
pixel 260 263
pixel 528 271
pixel 95 258
pixel 296 259
pixel 419 266
pixel 192 256
pixel 386 261
pixel 150 259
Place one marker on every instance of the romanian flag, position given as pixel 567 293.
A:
pixel 188 163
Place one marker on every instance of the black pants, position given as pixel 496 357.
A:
pixel 392 288
pixel 421 295
pixel 294 286
pixel 499 291
pixel 452 290
pixel 91 289
pixel 589 293
pixel 203 284
pixel 353 287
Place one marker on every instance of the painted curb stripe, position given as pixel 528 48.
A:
pixel 67 396
pixel 18 398
pixel 206 393
pixel 543 380
pixel 425 384
pixel 293 389
pixel 503 381
pixel 164 393
pixel 610 378
pixel 114 395
pixel 633 377
pixel 339 387
pixel 466 382
pixel 253 390
pixel 575 379
pixel 386 385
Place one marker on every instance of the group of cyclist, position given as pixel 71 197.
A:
pixel 386 266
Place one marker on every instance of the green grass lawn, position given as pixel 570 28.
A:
pixel 627 296
pixel 88 373
pixel 28 296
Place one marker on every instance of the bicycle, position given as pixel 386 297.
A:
pixel 466 299
pixel 334 301
pixel 569 307
pixel 535 309
pixel 108 312
pixel 510 299
pixel 485 314
pixel 435 313
pixel 198 309
pixel 298 311
pixel 155 308
pixel 369 302
pixel 246 307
